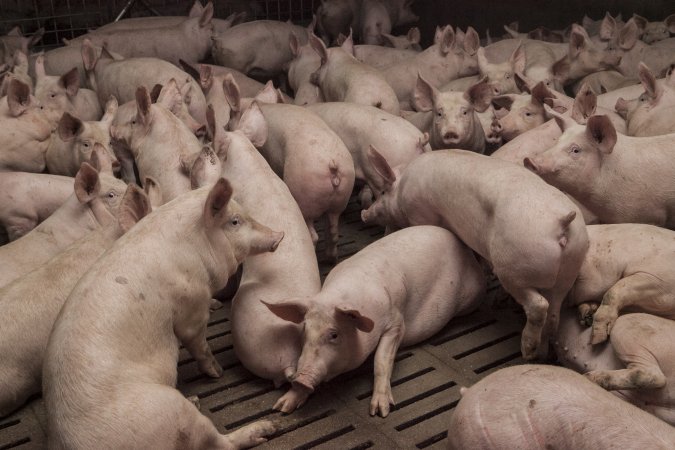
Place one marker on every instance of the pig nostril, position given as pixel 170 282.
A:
pixel 449 136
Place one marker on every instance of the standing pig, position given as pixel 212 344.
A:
pixel 532 407
pixel 30 307
pixel 110 364
pixel 342 78
pixel 305 62
pixel 650 113
pixel 455 123
pixel 29 198
pixel 531 234
pixel 609 175
pixel 400 290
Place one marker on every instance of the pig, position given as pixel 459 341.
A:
pixel 535 406
pixel 603 172
pixel 93 204
pixel 597 27
pixel 76 141
pixel 603 81
pixel 121 78
pixel 162 146
pixel 25 130
pixel 535 241
pixel 61 60
pixel 257 48
pixel 335 17
pixel 360 126
pixel 627 267
pixel 28 199
pixel 214 87
pixel 31 306
pixel 608 99
pixel 64 93
pixel 291 270
pixel 442 62
pixel 341 77
pixel 389 294
pixel 408 41
pixel 520 113
pixel 635 349
pixel 15 40
pixel 157 302
pixel 655 31
pixel 178 106
pixel 502 76
pixel 381 57
pixel 19 71
pixel 304 63
pixel 455 122
pixel 375 21
pixel 649 114
pixel 189 40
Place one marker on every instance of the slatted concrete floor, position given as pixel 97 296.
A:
pixel 425 383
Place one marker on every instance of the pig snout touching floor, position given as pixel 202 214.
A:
pixel 397 291
pixel 533 407
pixel 111 360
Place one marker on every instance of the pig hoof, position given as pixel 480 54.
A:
pixel 598 377
pixel 215 304
pixel 586 311
pixel 213 370
pixel 291 400
pixel 529 350
pixel 252 434
pixel 380 403
pixel 603 320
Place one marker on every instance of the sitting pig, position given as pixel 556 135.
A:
pixel 531 234
pixel 618 178
pixel 532 407
pixel 30 308
pixel 110 364
pixel 399 290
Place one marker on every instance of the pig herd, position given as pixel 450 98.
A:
pixel 573 210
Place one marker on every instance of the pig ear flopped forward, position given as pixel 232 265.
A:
pixel 319 47
pixel 232 93
pixel 648 81
pixel 585 104
pixel 69 127
pixel 362 323
pixel 100 159
pixel 134 206
pixel 87 183
pixel 143 105
pixel 70 81
pixel 424 95
pixel 18 97
pixel 381 166
pixel 601 132
pixel 479 95
pixel 290 311
pixel 563 122
pixel 254 125
pixel 215 207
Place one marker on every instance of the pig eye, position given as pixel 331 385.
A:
pixel 528 114
pixel 52 95
pixel 111 194
pixel 507 76
pixel 575 150
pixel 333 335
pixel 465 111
pixel 86 144
pixel 439 114
pixel 236 220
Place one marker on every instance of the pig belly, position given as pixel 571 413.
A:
pixel 425 318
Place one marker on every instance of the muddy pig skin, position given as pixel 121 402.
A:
pixel 110 366
pixel 97 196
pixel 31 303
pixel 397 291
pixel 532 235
pixel 637 364
pixel 532 407
pixel 29 198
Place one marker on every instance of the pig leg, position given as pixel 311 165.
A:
pixel 586 311
pixel 312 231
pixel 536 307
pixel 332 236
pixel 293 399
pixel 640 289
pixel 190 328
pixel 384 365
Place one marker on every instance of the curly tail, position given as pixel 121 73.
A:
pixel 334 176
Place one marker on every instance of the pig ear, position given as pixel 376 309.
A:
pixel 503 101
pixel 254 125
pixel 483 64
pixel 607 27
pixel 100 159
pixel 640 21
pixel 134 206
pixel 578 41
pixel 601 132
pixel 69 127
pixel 206 16
pixel 471 41
pixel 87 184
pixel 40 66
pixel 561 68
pixel 518 59
pixel 541 93
pixel 267 94
pixel 319 47
pixel 424 95
pixel 189 69
pixel 348 44
pixel 70 81
pixel 523 83
pixel 629 35
pixel 16 31
pixel 232 93
pixel 670 23
pixel 153 191
pixel 447 40
pixel 670 75
pixel 513 32
pixel 196 9
pixel 563 122
pixel 169 97
pixel 18 97
pixel 291 311
pixel 414 35
pixel 216 203
pixel 381 166
pixel 111 108
pixel 154 94
pixel 206 164
pixel 211 121
pixel 89 56
pixel 294 44
pixel 584 104
pixel 205 76
pixel 143 104
pixel 389 40
pixel 479 95
pixel 648 81
pixel 361 322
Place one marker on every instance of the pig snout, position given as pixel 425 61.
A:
pixel 264 239
pixel 621 107
pixel 450 138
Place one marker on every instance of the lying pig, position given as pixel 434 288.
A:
pixel 531 234
pixel 532 407
pixel 650 113
pixel 29 198
pixel 399 290
pixel 30 307
pixel 96 198
pixel 455 122
pixel 25 130
pixel 604 172
pixel 634 364
pixel 59 61
pixel 76 139
pixel 292 270
pixel 408 41
pixel 627 267
pixel 162 146
pixel 381 57
pixel 655 31
pixel 342 78
pixel 63 93
pixel 155 302
pixel 121 78
pixel 304 63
